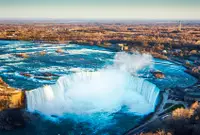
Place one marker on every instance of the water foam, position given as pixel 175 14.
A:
pixel 87 51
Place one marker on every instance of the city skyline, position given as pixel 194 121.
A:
pixel 110 9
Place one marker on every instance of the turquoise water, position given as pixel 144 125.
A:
pixel 76 59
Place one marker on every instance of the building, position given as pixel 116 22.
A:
pixel 123 47
pixel 180 26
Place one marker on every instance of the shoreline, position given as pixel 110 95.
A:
pixel 148 116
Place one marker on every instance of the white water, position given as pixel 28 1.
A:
pixel 106 90
pixel 87 51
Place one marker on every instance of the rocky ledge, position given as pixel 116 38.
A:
pixel 158 74
pixel 12 101
pixel 10 98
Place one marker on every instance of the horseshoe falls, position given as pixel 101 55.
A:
pixel 107 90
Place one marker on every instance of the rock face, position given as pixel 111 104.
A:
pixel 195 71
pixel 25 74
pixel 160 56
pixel 49 74
pixel 158 74
pixel 41 76
pixel 11 119
pixel 11 103
pixel 43 53
pixel 10 97
pixel 22 55
pixel 59 51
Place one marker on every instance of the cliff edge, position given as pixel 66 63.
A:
pixel 11 98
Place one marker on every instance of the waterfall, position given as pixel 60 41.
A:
pixel 106 90
pixel 91 92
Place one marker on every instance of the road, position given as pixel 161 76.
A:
pixel 141 128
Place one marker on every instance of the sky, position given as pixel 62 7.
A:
pixel 101 9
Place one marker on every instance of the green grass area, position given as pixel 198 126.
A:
pixel 174 107
pixel 167 105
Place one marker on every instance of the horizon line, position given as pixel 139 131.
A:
pixel 94 19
